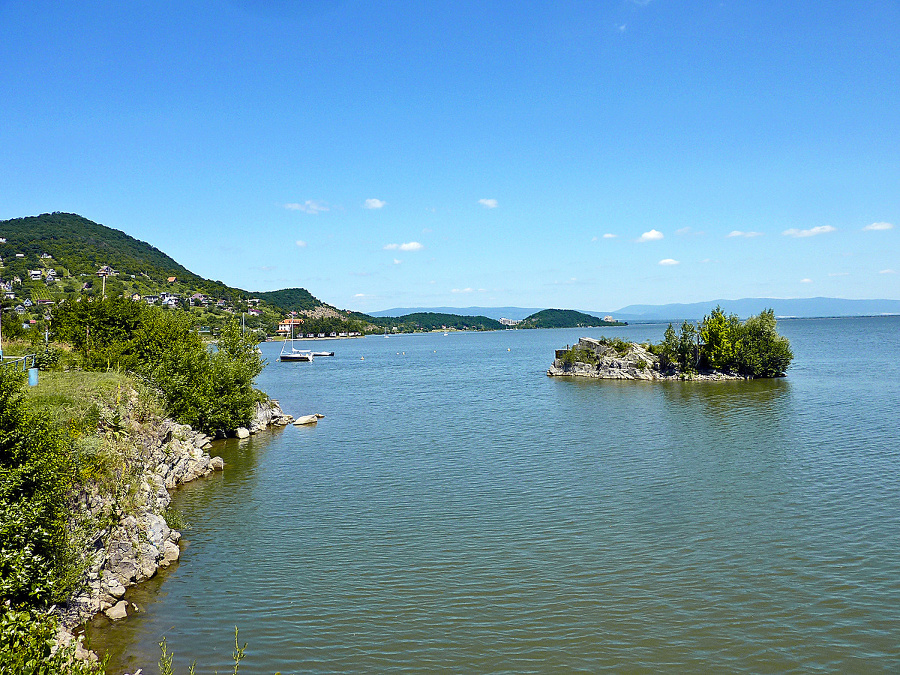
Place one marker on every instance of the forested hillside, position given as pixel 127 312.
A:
pixel 564 318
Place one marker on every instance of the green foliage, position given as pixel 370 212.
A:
pixel 26 639
pixel 563 318
pixel 753 348
pixel 37 561
pixel 289 299
pixel 667 350
pixel 211 391
pixel 687 348
pixel 578 354
pixel 719 335
pixel 761 351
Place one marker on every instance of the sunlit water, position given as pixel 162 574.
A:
pixel 459 511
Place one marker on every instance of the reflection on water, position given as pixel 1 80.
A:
pixel 457 510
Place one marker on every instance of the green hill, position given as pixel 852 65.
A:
pixel 564 318
pixel 76 248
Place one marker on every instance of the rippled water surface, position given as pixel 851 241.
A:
pixel 458 511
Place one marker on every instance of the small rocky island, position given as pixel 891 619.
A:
pixel 719 348
pixel 619 360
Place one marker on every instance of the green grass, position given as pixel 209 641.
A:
pixel 72 395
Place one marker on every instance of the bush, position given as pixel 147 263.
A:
pixel 211 391
pixel 37 473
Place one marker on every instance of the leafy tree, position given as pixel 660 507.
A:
pixel 668 349
pixel 761 351
pixel 719 335
pixel 687 348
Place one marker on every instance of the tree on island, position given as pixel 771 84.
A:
pixel 752 348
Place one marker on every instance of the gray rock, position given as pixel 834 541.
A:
pixel 217 463
pixel 171 553
pixel 117 611
pixel 242 432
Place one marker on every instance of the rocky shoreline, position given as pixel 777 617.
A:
pixel 634 362
pixel 137 541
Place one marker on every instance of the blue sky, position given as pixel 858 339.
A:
pixel 559 154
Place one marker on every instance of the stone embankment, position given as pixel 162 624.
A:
pixel 608 360
pixel 136 540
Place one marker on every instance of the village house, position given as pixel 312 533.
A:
pixel 35 275
pixel 51 275
pixel 46 256
pixel 106 271
pixel 285 325
pixel 171 280
pixel 254 312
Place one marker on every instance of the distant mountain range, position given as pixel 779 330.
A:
pixel 796 307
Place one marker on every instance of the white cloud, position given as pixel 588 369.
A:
pixel 812 232
pixel 397 261
pixel 610 236
pixel 887 272
pixel 463 290
pixel 363 295
pixel 622 28
pixel 488 203
pixel 310 206
pixel 748 235
pixel 374 204
pixel 669 261
pixel 408 246
pixel 652 235
pixel 688 230
pixel 301 243
pixel 879 226
pixel 806 281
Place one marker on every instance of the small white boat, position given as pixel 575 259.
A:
pixel 323 353
pixel 293 354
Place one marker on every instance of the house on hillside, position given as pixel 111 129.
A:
pixel 106 271
pixel 285 326
pixel 51 275
pixel 46 256
pixel 35 275
pixel 151 299
pixel 254 312
pixel 171 280
pixel 253 302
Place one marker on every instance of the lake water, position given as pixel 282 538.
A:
pixel 459 511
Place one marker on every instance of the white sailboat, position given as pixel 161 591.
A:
pixel 294 354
